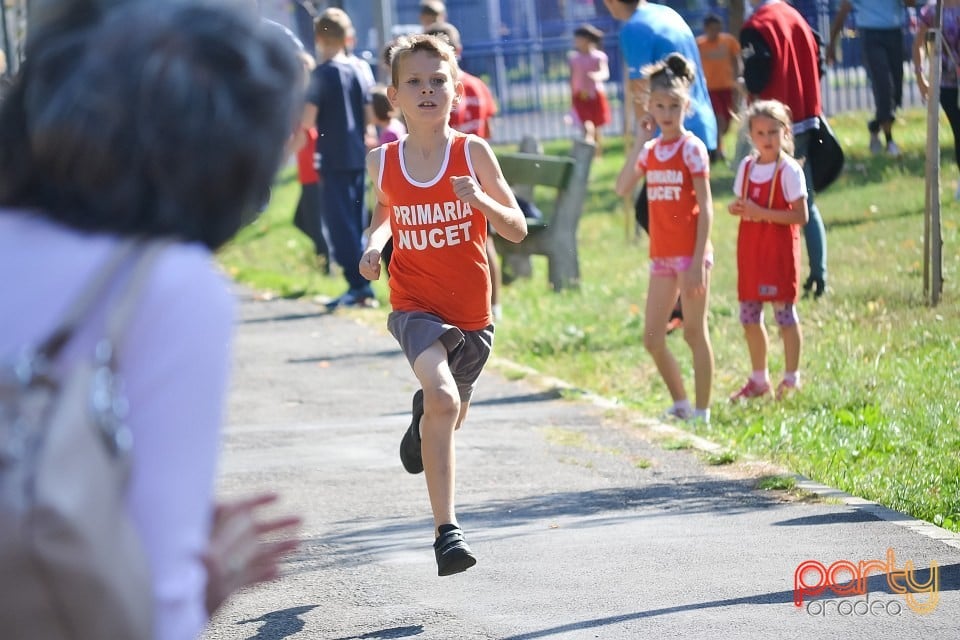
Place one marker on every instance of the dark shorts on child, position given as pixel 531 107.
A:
pixel 467 351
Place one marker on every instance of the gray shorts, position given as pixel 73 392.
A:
pixel 467 351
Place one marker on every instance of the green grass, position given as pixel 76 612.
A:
pixel 877 416
pixel 720 458
pixel 676 444
pixel 777 483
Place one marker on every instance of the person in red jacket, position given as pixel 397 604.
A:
pixel 781 60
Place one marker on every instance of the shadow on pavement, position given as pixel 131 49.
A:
pixel 949 581
pixel 351 540
pixel 353 357
pixel 540 396
pixel 700 496
pixel 280 624
pixel 844 517
pixel 287 317
pixel 386 634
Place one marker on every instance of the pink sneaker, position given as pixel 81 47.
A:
pixel 751 390
pixel 786 387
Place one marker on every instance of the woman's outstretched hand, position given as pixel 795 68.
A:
pixel 238 555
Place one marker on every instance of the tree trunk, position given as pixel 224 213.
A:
pixel 735 13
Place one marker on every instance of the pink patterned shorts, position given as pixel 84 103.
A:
pixel 673 266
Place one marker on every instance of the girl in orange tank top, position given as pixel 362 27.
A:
pixel 676 167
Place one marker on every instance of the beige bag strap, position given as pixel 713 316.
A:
pixel 83 303
pixel 125 305
pixel 97 288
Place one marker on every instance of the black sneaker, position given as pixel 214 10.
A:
pixel 410 454
pixel 453 553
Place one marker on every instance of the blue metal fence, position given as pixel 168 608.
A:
pixel 530 78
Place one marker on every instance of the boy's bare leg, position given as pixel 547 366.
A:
pixel 441 413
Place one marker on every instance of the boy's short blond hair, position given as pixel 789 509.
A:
pixel 432 45
pixel 333 25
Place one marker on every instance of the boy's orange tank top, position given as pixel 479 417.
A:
pixel 672 197
pixel 439 262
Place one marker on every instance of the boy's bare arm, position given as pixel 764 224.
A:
pixel 494 199
pixel 379 230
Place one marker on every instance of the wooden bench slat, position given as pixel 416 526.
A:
pixel 556 235
pixel 533 169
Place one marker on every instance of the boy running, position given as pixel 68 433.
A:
pixel 436 190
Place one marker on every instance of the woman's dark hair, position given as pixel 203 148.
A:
pixel 159 118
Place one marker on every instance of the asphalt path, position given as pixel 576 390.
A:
pixel 585 524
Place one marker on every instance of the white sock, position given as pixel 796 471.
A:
pixel 760 377
pixel 702 414
pixel 683 405
pixel 792 378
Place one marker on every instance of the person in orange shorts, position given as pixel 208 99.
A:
pixel 720 58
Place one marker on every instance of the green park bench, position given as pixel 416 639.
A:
pixel 555 236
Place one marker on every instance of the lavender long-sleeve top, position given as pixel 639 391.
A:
pixel 174 364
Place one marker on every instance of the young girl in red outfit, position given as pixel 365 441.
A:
pixel 589 69
pixel 677 166
pixel 772 206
